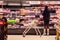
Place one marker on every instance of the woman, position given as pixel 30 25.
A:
pixel 46 18
pixel 3 26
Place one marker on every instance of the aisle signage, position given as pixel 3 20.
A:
pixel 34 2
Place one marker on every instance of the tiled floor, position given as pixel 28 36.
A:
pixel 30 37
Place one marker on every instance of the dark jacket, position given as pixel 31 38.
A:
pixel 5 25
pixel 4 19
pixel 46 14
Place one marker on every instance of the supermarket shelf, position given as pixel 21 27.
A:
pixel 19 31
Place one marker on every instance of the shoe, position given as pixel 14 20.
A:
pixel 44 34
pixel 47 33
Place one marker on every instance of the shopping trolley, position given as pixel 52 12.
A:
pixel 29 27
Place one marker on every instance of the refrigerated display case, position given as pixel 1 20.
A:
pixel 29 11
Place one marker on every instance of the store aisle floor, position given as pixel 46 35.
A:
pixel 30 37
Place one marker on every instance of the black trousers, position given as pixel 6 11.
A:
pixel 46 23
pixel 2 36
pixel 1 32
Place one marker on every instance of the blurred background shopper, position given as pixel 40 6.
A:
pixel 3 26
pixel 32 24
pixel 46 18
pixel 22 12
pixel 37 15
pixel 57 26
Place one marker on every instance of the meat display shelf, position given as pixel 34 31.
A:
pixel 19 31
